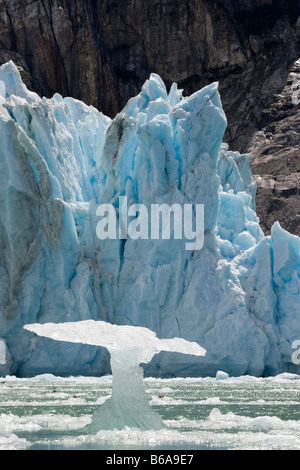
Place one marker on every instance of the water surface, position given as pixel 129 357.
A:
pixel 50 413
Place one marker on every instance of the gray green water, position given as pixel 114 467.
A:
pixel 50 413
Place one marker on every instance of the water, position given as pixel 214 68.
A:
pixel 50 413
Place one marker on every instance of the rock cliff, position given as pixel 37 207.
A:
pixel 102 52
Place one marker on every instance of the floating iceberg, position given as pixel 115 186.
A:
pixel 59 160
pixel 128 346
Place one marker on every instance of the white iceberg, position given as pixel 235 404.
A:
pixel 129 347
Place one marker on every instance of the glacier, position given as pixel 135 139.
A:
pixel 238 297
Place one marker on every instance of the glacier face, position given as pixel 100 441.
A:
pixel 238 297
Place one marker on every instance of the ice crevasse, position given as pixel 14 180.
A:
pixel 238 297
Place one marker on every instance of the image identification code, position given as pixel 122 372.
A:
pixel 171 459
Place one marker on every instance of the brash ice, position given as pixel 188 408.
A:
pixel 128 346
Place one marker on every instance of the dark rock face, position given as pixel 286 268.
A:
pixel 275 153
pixel 102 52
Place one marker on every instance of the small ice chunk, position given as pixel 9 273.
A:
pixel 222 375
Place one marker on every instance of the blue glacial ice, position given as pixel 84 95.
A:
pixel 238 297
